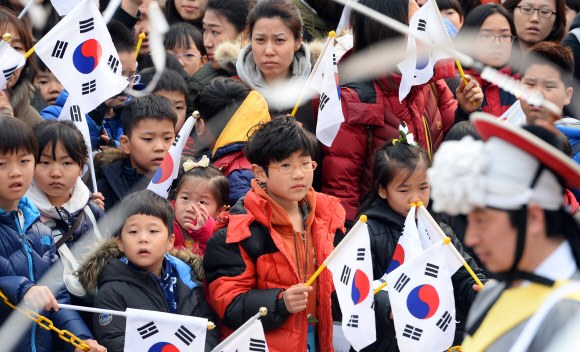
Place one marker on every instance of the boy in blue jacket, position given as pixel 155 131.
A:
pixel 27 249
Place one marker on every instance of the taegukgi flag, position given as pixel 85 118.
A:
pixel 157 331
pixel 428 231
pixel 10 61
pixel 167 172
pixel 63 7
pixel 248 338
pixel 352 273
pixel 417 68
pixel 80 53
pixel 422 301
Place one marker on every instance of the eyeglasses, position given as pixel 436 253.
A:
pixel 504 39
pixel 289 168
pixel 528 10
pixel 187 57
pixel 133 79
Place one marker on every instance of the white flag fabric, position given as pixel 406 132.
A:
pixel 352 273
pixel 426 227
pixel 417 68
pixel 63 7
pixel 514 115
pixel 72 112
pixel 80 53
pixel 10 61
pixel 249 337
pixel 409 244
pixel 167 172
pixel 157 331
pixel 421 296
pixel 325 82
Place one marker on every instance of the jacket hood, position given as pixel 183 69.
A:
pixel 109 157
pixel 62 97
pixel 254 110
pixel 88 273
pixel 20 96
pixel 569 126
pixel 381 211
pixel 29 211
pixel 575 23
pixel 80 197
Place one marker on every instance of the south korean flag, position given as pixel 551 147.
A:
pixel 421 296
pixel 10 61
pixel 248 338
pixel 156 331
pixel 80 53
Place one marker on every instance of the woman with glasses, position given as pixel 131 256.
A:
pixel 185 42
pixel 493 29
pixel 537 20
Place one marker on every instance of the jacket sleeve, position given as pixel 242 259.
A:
pixel 69 320
pixel 204 234
pixel 203 310
pixel 448 106
pixel 15 287
pixel 51 112
pixel 240 184
pixel 112 335
pixel 231 278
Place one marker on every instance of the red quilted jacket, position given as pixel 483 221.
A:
pixel 496 101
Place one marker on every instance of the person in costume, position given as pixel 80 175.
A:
pixel 512 189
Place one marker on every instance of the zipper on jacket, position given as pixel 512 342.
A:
pixel 31 271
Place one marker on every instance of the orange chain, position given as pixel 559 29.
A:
pixel 40 319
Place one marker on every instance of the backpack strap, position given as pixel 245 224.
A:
pixel 67 236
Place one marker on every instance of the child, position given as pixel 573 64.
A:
pixel 400 174
pixel 134 271
pixel 48 85
pixel 272 241
pixel 27 248
pixel 185 42
pixel 452 11
pixel 149 131
pixel 201 195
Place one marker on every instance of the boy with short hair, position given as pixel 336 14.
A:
pixel 273 239
pixel 27 249
pixel 144 277
pixel 149 131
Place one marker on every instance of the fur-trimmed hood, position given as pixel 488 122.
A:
pixel 88 273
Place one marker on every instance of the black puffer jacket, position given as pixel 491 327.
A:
pixel 385 228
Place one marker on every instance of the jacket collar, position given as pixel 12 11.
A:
pixel 29 211
pixel 129 176
pixel 381 211
pixel 80 197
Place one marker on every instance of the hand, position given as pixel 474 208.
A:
pixel 201 215
pixel 467 94
pixel 41 298
pixel 296 297
pixel 391 315
pixel 5 107
pixel 95 347
pixel 105 140
pixel 98 198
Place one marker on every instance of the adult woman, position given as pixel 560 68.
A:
pixel 373 112
pixel 223 20
pixel 20 85
pixel 495 31
pixel 189 11
pixel 538 20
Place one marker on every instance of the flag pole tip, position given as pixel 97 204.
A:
pixel 412 205
pixel 263 311
pixel 142 36
pixel 210 325
pixel 446 240
pixel 363 218
pixel 195 114
pixel 332 34
pixel 419 204
pixel 7 37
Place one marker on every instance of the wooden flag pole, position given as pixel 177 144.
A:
pixel 141 37
pixel 330 38
pixel 445 239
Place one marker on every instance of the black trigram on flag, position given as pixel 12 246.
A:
pixel 8 72
pixel 257 345
pixel 431 270
pixel 59 49
pixel 185 335
pixel 412 332
pixel 360 254
pixel 87 25
pixel 422 25
pixel 113 63
pixel 75 114
pixel 334 59
pixel 89 87
pixel 402 282
pixel 443 322
pixel 323 100
pixel 175 141
pixel 345 276
pixel 353 321
pixel 148 330
pixel 373 305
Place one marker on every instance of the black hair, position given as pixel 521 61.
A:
pixel 40 65
pixel 123 39
pixel 552 54
pixel 170 80
pixel 573 5
pixel 151 106
pixel 235 11
pixel 217 182
pixel 285 10
pixel 219 100
pixel 278 139
pixel 390 160
pixel 460 130
pixel 50 132
pixel 16 137
pixel 367 31
pixel 147 203
pixel 450 4
pixel 179 34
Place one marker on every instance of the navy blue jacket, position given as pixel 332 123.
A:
pixel 118 180
pixel 239 175
pixel 26 254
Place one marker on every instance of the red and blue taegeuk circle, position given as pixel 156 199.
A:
pixel 165 170
pixel 361 287
pixel 423 301
pixel 163 347
pixel 398 258
pixel 87 56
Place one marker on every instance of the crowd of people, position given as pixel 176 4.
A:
pixel 259 203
